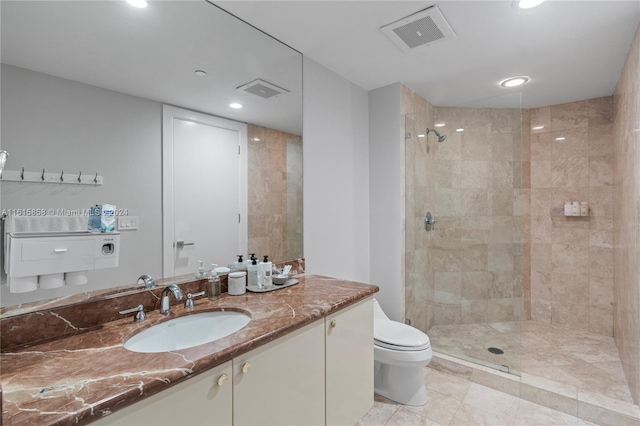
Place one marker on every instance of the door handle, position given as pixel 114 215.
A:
pixel 180 244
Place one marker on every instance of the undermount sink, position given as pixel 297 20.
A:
pixel 188 331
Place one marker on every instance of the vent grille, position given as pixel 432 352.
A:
pixel 262 88
pixel 418 30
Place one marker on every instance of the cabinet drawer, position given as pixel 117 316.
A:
pixel 48 250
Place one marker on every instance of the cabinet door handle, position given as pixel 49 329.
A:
pixel 222 379
pixel 60 250
pixel 333 323
pixel 246 367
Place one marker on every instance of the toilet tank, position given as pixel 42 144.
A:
pixel 378 313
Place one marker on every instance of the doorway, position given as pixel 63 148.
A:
pixel 204 204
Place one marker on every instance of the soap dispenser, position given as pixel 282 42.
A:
pixel 201 274
pixel 213 284
pixel 265 272
pixel 239 265
pixel 252 268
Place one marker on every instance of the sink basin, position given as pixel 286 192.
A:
pixel 188 331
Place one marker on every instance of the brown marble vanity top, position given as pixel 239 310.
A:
pixel 80 377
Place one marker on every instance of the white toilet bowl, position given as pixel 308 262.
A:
pixel 400 353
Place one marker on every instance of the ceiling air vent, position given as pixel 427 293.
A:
pixel 262 88
pixel 419 30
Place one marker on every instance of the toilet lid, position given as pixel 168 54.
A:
pixel 395 335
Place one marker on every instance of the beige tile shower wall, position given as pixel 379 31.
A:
pixel 626 212
pixel 294 198
pixel 268 193
pixel 572 258
pixel 479 251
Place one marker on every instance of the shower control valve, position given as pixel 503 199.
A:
pixel 429 222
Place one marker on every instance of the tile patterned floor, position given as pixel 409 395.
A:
pixel 586 361
pixel 574 371
pixel 456 401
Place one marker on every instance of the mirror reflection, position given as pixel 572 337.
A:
pixel 84 84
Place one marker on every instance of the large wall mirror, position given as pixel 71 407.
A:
pixel 83 89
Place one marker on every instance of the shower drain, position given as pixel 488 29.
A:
pixel 496 351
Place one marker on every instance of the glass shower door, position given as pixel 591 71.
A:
pixel 464 277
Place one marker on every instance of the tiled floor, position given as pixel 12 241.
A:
pixel 456 401
pixel 585 361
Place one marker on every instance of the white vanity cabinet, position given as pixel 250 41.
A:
pixel 349 363
pixel 205 399
pixel 319 374
pixel 282 382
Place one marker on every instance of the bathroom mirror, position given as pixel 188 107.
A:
pixel 83 85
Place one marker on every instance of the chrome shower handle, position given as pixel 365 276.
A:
pixel 429 221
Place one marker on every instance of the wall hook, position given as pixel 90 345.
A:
pixel 62 176
pixel 80 177
pixel 95 179
pixel 42 177
pixel 22 174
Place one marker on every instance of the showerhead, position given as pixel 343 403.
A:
pixel 441 138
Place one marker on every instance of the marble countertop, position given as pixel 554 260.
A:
pixel 78 378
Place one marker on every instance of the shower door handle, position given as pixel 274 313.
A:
pixel 429 222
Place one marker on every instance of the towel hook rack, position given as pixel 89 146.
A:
pixel 42 176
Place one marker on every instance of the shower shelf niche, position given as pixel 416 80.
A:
pixel 557 213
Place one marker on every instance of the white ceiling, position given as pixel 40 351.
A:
pixel 572 50
pixel 153 53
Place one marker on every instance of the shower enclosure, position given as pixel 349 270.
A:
pixel 466 271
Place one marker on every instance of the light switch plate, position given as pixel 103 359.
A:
pixel 127 223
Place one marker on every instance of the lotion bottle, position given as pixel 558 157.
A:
pixel 576 208
pixel 584 208
pixel 201 273
pixel 239 265
pixel 252 268
pixel 265 271
pixel 213 284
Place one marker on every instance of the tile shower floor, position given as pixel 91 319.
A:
pixel 586 361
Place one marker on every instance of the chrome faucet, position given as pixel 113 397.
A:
pixel 165 303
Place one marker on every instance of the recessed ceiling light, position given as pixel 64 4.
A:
pixel 200 73
pixel 460 130
pixel 537 128
pixel 421 136
pixel 255 139
pixel 140 4
pixel 560 138
pixel 528 4
pixel 236 105
pixel 514 81
pixel 439 124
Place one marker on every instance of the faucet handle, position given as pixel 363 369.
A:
pixel 188 304
pixel 140 315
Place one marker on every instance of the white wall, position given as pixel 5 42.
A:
pixel 386 128
pixel 336 176
pixel 116 135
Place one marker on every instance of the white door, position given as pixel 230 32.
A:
pixel 204 190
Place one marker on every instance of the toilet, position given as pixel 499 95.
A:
pixel 400 353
